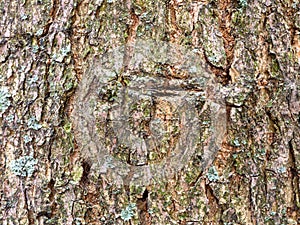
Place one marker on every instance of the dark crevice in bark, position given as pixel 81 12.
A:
pixel 30 214
pixel 265 182
pixel 142 205
pixel 217 70
pixel 86 170
pixel 54 9
pixel 46 95
pixel 290 13
pixel 197 180
pixel 294 178
pixel 100 8
pixel 46 89
pixel 49 150
pixel 224 13
pixel 213 202
pixel 52 198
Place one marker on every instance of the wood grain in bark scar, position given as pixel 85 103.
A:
pixel 224 155
pixel 132 28
pixel 77 39
pixel 175 31
pixel 134 25
pixel 224 16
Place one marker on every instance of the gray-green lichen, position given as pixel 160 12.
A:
pixel 33 124
pixel 128 212
pixel 23 166
pixel 4 99
pixel 27 139
pixel 212 174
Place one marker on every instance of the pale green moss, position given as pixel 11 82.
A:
pixel 33 124
pixel 77 174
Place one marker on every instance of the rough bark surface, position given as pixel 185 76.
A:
pixel 251 47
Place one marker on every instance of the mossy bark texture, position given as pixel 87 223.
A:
pixel 251 49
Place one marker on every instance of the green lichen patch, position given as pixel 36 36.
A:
pixel 77 174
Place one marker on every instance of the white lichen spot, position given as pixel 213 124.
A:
pixel 23 166
pixel 4 99
pixel 33 124
pixel 39 32
pixel 128 212
pixel 63 52
pixel 27 139
pixel 212 174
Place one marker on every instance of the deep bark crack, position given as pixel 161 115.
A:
pixel 142 205
pixel 294 179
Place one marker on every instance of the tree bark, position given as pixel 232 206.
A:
pixel 250 50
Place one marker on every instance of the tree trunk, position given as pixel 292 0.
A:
pixel 86 139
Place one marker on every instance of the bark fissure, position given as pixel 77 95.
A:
pixel 142 205
pixel 294 179
pixel 30 214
